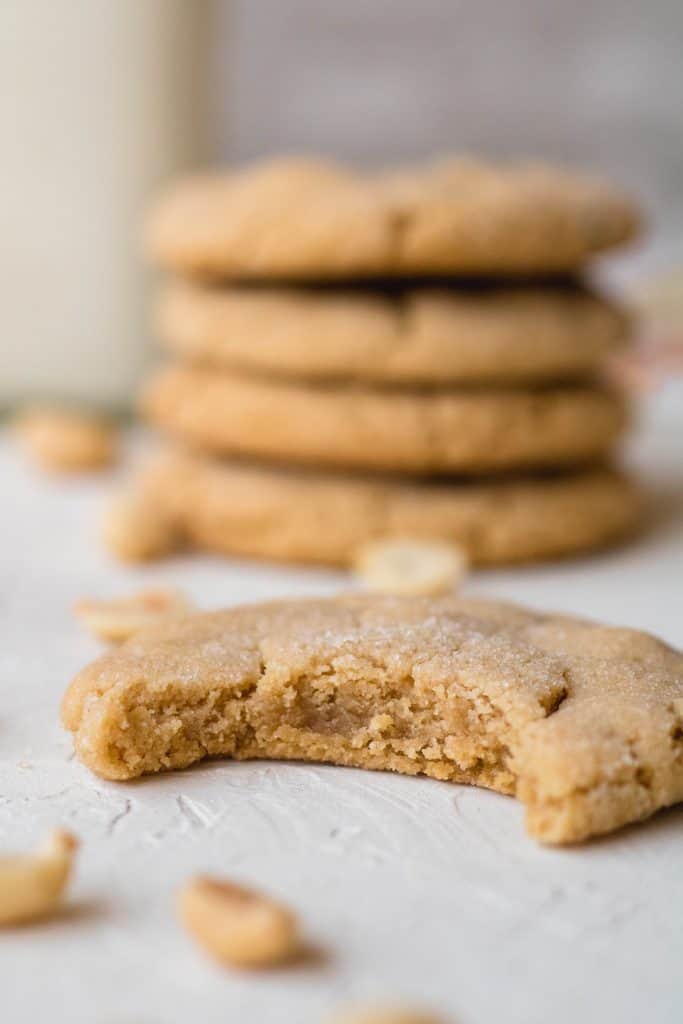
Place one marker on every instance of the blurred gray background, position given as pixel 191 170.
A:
pixel 593 82
pixel 100 101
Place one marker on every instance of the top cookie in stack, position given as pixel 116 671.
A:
pixel 425 325
pixel 312 220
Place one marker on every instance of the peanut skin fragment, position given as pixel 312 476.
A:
pixel 238 926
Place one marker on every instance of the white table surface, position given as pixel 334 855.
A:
pixel 415 890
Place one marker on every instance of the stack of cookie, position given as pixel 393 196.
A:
pixel 402 354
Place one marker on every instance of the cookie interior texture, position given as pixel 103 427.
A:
pixel 301 218
pixel 583 723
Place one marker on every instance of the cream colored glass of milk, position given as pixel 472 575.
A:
pixel 100 100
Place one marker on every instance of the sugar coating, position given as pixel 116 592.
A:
pixel 583 723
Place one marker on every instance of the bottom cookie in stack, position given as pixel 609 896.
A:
pixel 309 516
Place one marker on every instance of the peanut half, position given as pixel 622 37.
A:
pixel 407 566
pixel 135 529
pixel 385 1015
pixel 65 441
pixel 31 885
pixel 236 925
pixel 118 619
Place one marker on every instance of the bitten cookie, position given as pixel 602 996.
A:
pixel 418 432
pixel 430 335
pixel 310 219
pixel 582 722
pixel 264 512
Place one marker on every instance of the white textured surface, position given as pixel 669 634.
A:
pixel 414 889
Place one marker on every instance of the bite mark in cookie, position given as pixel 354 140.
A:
pixel 578 720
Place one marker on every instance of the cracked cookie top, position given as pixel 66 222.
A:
pixel 300 218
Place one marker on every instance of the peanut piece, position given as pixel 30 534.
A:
pixel 66 442
pixel 120 618
pixel 135 529
pixel 31 885
pixel 237 925
pixel 384 1016
pixel 405 566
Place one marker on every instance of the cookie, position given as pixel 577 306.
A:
pixel 312 517
pixel 582 722
pixel 429 335
pixel 421 432
pixel 303 218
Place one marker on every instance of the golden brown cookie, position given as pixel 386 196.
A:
pixel 420 432
pixel 302 218
pixel 300 516
pixel 582 722
pixel 430 335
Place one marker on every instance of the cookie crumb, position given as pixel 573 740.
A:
pixel 236 925
pixel 118 619
pixel 65 441
pixel 406 566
